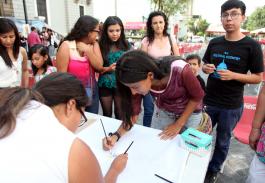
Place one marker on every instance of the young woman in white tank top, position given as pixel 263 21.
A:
pixel 13 58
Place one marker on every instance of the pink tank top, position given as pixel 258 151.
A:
pixel 80 66
pixel 155 51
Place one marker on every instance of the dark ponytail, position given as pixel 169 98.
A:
pixel 12 101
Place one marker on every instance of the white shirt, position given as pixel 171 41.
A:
pixel 11 77
pixel 37 150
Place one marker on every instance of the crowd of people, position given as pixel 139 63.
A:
pixel 46 37
pixel 96 64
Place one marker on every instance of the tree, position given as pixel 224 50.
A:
pixel 197 26
pixel 170 7
pixel 256 20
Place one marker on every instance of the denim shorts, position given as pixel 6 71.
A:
pixel 162 119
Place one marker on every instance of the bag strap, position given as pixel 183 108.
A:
pixel 171 45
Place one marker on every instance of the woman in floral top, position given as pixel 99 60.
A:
pixel 112 45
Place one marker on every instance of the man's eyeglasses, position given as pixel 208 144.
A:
pixel 83 118
pixel 232 15
pixel 98 31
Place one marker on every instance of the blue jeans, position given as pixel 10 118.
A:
pixel 226 120
pixel 161 119
pixel 94 105
pixel 148 104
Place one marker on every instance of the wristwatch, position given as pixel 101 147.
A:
pixel 116 134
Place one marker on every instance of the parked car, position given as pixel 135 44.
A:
pixel 197 39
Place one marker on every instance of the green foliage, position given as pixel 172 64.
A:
pixel 200 34
pixel 170 7
pixel 197 26
pixel 256 20
pixel 142 32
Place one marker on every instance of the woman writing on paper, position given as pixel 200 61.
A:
pixel 37 142
pixel 177 91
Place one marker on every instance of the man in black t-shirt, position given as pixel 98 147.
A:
pixel 227 61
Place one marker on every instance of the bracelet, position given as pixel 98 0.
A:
pixel 116 134
pixel 256 128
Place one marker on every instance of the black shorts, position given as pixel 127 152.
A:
pixel 106 92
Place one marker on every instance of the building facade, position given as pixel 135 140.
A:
pixel 60 15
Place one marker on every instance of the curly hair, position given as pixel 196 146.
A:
pixel 150 31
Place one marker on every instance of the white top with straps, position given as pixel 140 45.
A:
pixel 37 151
pixel 11 77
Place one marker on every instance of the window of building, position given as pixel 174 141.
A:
pixel 81 10
pixel 42 9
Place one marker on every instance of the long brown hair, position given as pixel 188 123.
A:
pixel 8 26
pixel 133 67
pixel 12 101
pixel 56 88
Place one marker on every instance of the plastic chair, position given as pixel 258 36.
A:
pixel 243 127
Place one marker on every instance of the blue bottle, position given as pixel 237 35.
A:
pixel 221 66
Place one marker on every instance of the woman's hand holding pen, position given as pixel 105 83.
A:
pixel 109 142
pixel 117 166
pixel 119 163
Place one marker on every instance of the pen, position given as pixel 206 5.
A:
pixel 163 178
pixel 103 129
pixel 128 148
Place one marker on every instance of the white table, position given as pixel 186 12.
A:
pixel 147 156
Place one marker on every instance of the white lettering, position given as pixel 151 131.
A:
pixel 250 106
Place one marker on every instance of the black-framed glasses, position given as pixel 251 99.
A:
pixel 233 15
pixel 95 30
pixel 83 119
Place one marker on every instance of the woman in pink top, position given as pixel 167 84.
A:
pixel 177 91
pixel 80 55
pixel 157 43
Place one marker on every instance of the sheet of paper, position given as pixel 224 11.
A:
pixel 148 154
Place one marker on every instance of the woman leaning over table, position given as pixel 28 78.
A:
pixel 157 43
pixel 178 94
pixel 37 142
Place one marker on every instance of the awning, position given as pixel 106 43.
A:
pixel 134 25
pixel 258 31
pixel 213 28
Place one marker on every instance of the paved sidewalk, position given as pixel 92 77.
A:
pixel 237 163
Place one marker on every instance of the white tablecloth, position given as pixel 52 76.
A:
pixel 147 156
